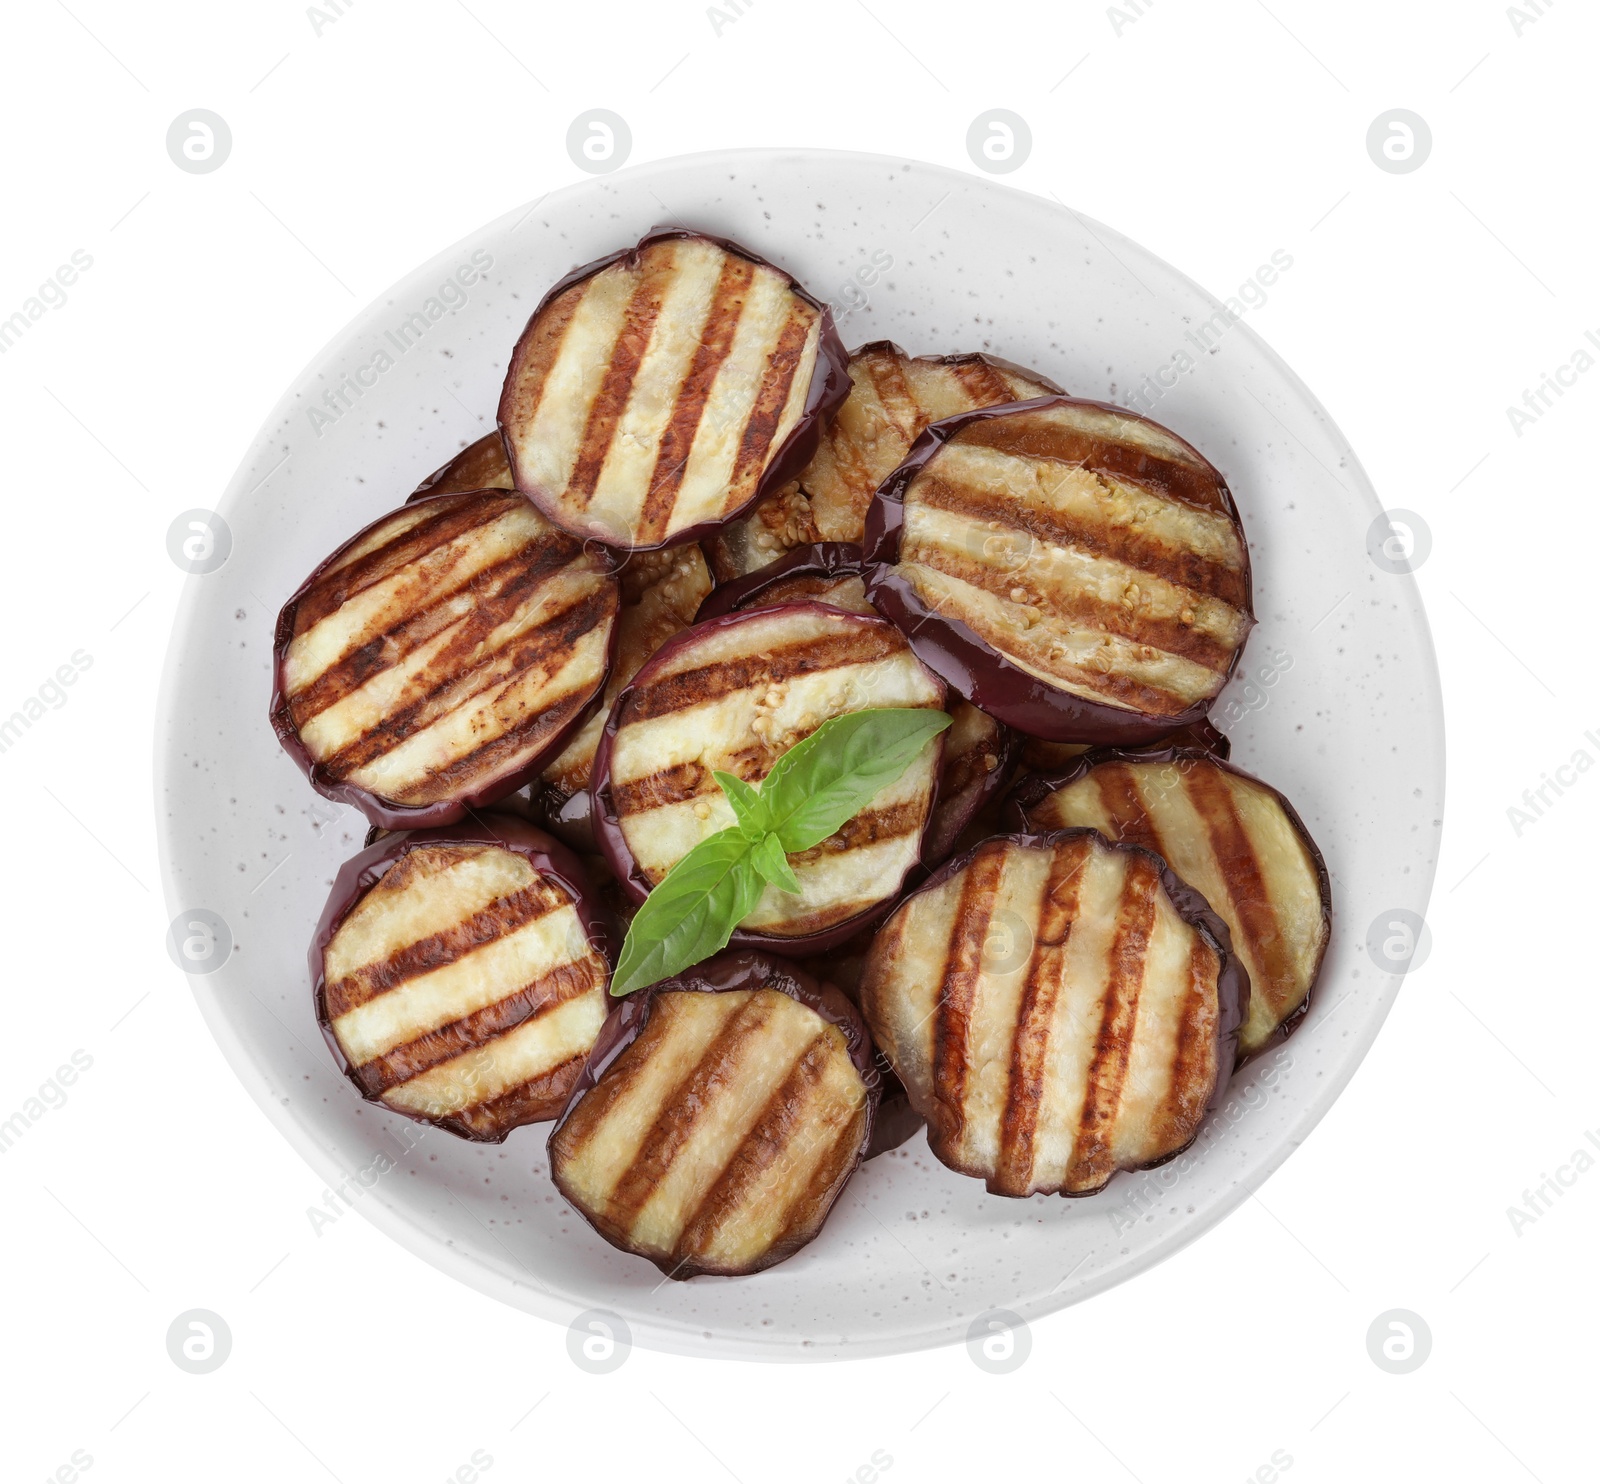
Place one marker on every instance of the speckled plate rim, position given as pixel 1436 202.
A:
pixel 690 1338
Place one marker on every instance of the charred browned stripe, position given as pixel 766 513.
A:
pixel 982 383
pixel 459 675
pixel 676 442
pixel 529 1102
pixel 336 589
pixel 499 590
pixel 869 827
pixel 656 790
pixel 540 351
pixel 480 465
pixel 474 1031
pixel 500 918
pixel 960 770
pixel 1194 1062
pixel 860 644
pixel 1119 797
pixel 1092 1160
pixel 1036 1010
pixel 771 1139
pixel 596 1106
pixel 1246 884
pixel 616 386
pixel 704 1085
pixel 958 992
pixel 755 443
pixel 1177 565
pixel 900 406
pixel 1040 438
pixel 816 589
pixel 1082 610
pixel 850 464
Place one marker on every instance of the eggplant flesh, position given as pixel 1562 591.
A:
pixel 657 393
pixel 463 988
pixel 479 466
pixel 734 694
pixel 893 397
pixel 1058 1007
pixel 718 1139
pixel 1233 839
pixel 436 661
pixel 1053 758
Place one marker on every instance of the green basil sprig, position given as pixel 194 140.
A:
pixel 816 786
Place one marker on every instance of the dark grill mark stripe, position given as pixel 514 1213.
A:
pixel 1120 798
pixel 901 408
pixel 533 368
pixel 1092 1161
pixel 958 993
pixel 1194 1061
pixel 1180 566
pixel 677 441
pixel 985 386
pixel 1030 1043
pixel 597 1105
pixel 474 1032
pixel 762 425
pixel 415 545
pixel 1041 437
pixel 533 1101
pixel 859 644
pixel 622 368
pixel 850 467
pixel 502 917
pixel 869 827
pixel 707 1082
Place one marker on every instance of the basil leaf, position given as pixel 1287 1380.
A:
pixel 772 865
pixel 691 914
pixel 829 777
pixel 747 806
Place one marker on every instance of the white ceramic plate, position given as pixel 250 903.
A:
pixel 1337 703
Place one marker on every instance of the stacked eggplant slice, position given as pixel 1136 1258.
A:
pixel 701 536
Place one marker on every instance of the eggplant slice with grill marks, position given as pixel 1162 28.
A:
pixel 462 974
pixel 734 694
pixel 893 397
pixel 658 391
pixel 1073 568
pixel 1230 837
pixel 978 751
pixel 1059 1008
pixel 1050 758
pixel 719 1116
pixel 479 466
pixel 438 659
pixel 661 591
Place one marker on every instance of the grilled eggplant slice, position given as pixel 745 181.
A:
pixel 441 657
pixel 978 751
pixel 661 590
pixel 1073 568
pixel 462 974
pixel 1230 837
pixel 479 466
pixel 658 391
pixel 1050 758
pixel 719 1117
pixel 735 694
pixel 1059 1008
pixel 893 397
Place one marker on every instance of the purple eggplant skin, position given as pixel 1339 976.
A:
pixel 358 875
pixel 830 384
pixel 480 465
pixel 971 666
pixel 382 812
pixel 822 559
pixel 1032 789
pixel 730 970
pixel 613 844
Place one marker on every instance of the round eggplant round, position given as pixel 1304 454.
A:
pixel 1073 568
pixel 1232 838
pixel 893 397
pixel 718 1117
pixel 1059 1007
pixel 660 592
pixel 1049 758
pixel 657 392
pixel 440 658
pixel 462 974
pixel 733 695
pixel 479 466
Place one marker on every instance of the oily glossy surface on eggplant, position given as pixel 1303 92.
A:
pixel 893 397
pixel 436 660
pixel 1058 1007
pixel 734 694
pixel 1073 568
pixel 1232 838
pixel 657 392
pixel 479 466
pixel 461 974
pixel 720 1115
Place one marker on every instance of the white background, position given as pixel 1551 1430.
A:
pixel 1420 307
